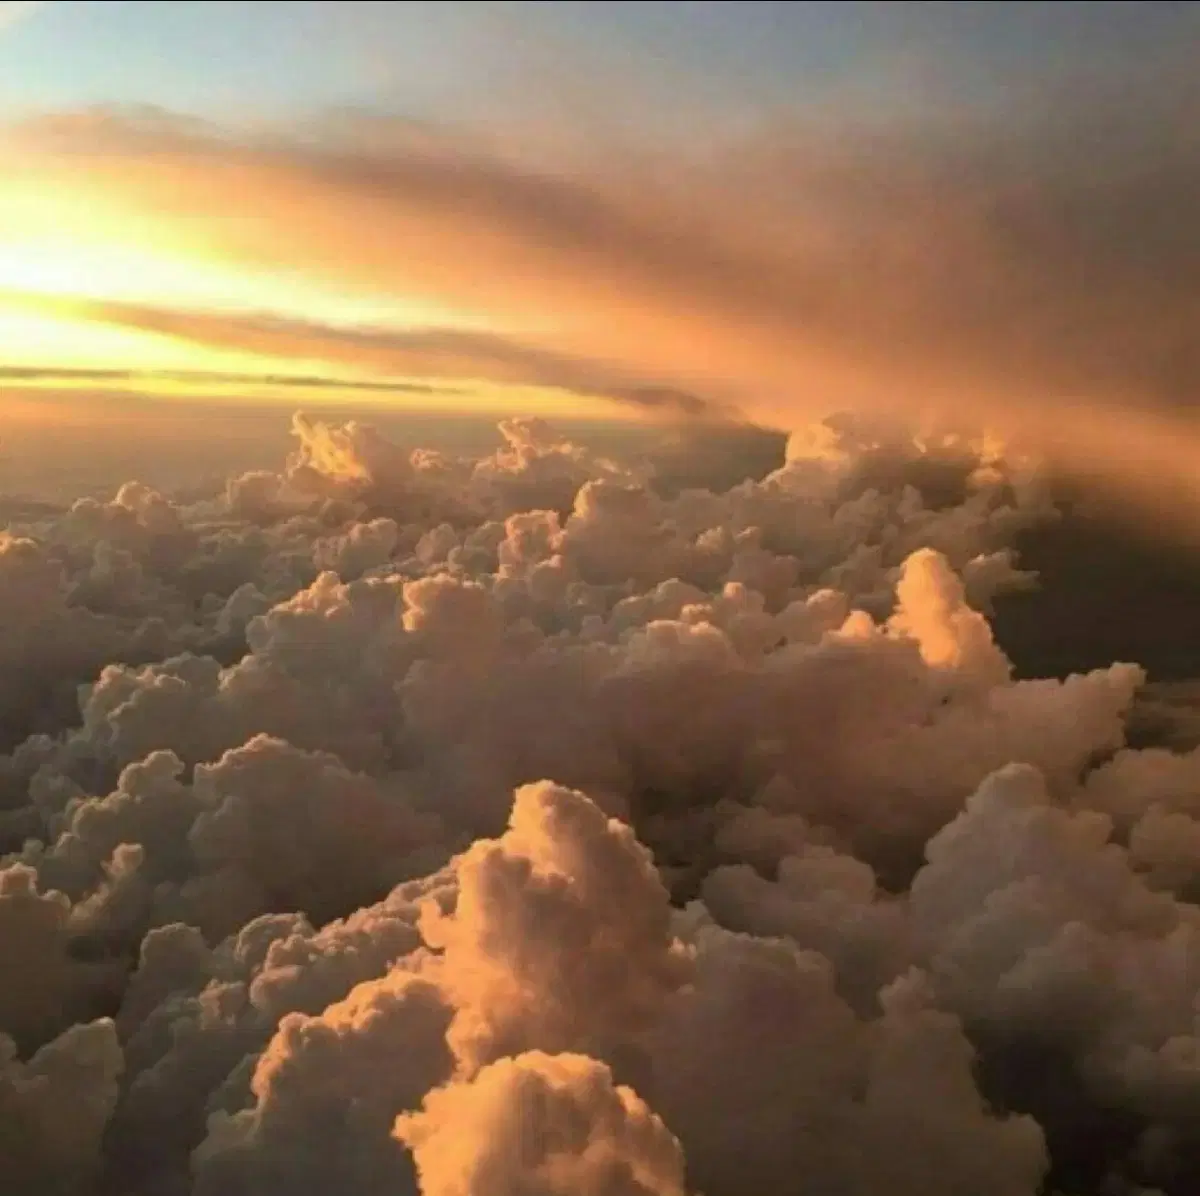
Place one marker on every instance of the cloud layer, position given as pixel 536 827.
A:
pixel 1033 261
pixel 398 822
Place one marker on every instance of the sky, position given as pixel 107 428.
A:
pixel 689 209
pixel 768 773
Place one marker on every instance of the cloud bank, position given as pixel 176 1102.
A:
pixel 402 822
pixel 1031 263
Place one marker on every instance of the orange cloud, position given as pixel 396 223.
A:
pixel 374 354
pixel 1028 269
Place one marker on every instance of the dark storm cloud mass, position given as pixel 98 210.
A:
pixel 581 831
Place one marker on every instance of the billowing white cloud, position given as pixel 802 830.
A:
pixel 402 822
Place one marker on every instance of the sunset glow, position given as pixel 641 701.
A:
pixel 599 598
pixel 60 244
pixel 592 265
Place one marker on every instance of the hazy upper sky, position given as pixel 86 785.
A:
pixel 688 207
pixel 272 59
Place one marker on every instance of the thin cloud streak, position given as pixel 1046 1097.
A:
pixel 435 353
pixel 35 375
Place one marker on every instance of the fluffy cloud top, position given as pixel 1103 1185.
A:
pixel 401 822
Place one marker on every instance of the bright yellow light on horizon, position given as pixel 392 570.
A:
pixel 70 243
pixel 65 239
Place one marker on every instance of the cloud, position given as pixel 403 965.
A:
pixel 371 813
pixel 141 380
pixel 441 353
pixel 587 1135
pixel 1031 266
pixel 544 818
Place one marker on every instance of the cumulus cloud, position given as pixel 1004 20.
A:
pixel 401 821
pixel 544 1123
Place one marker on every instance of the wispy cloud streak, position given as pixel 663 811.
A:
pixel 444 354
